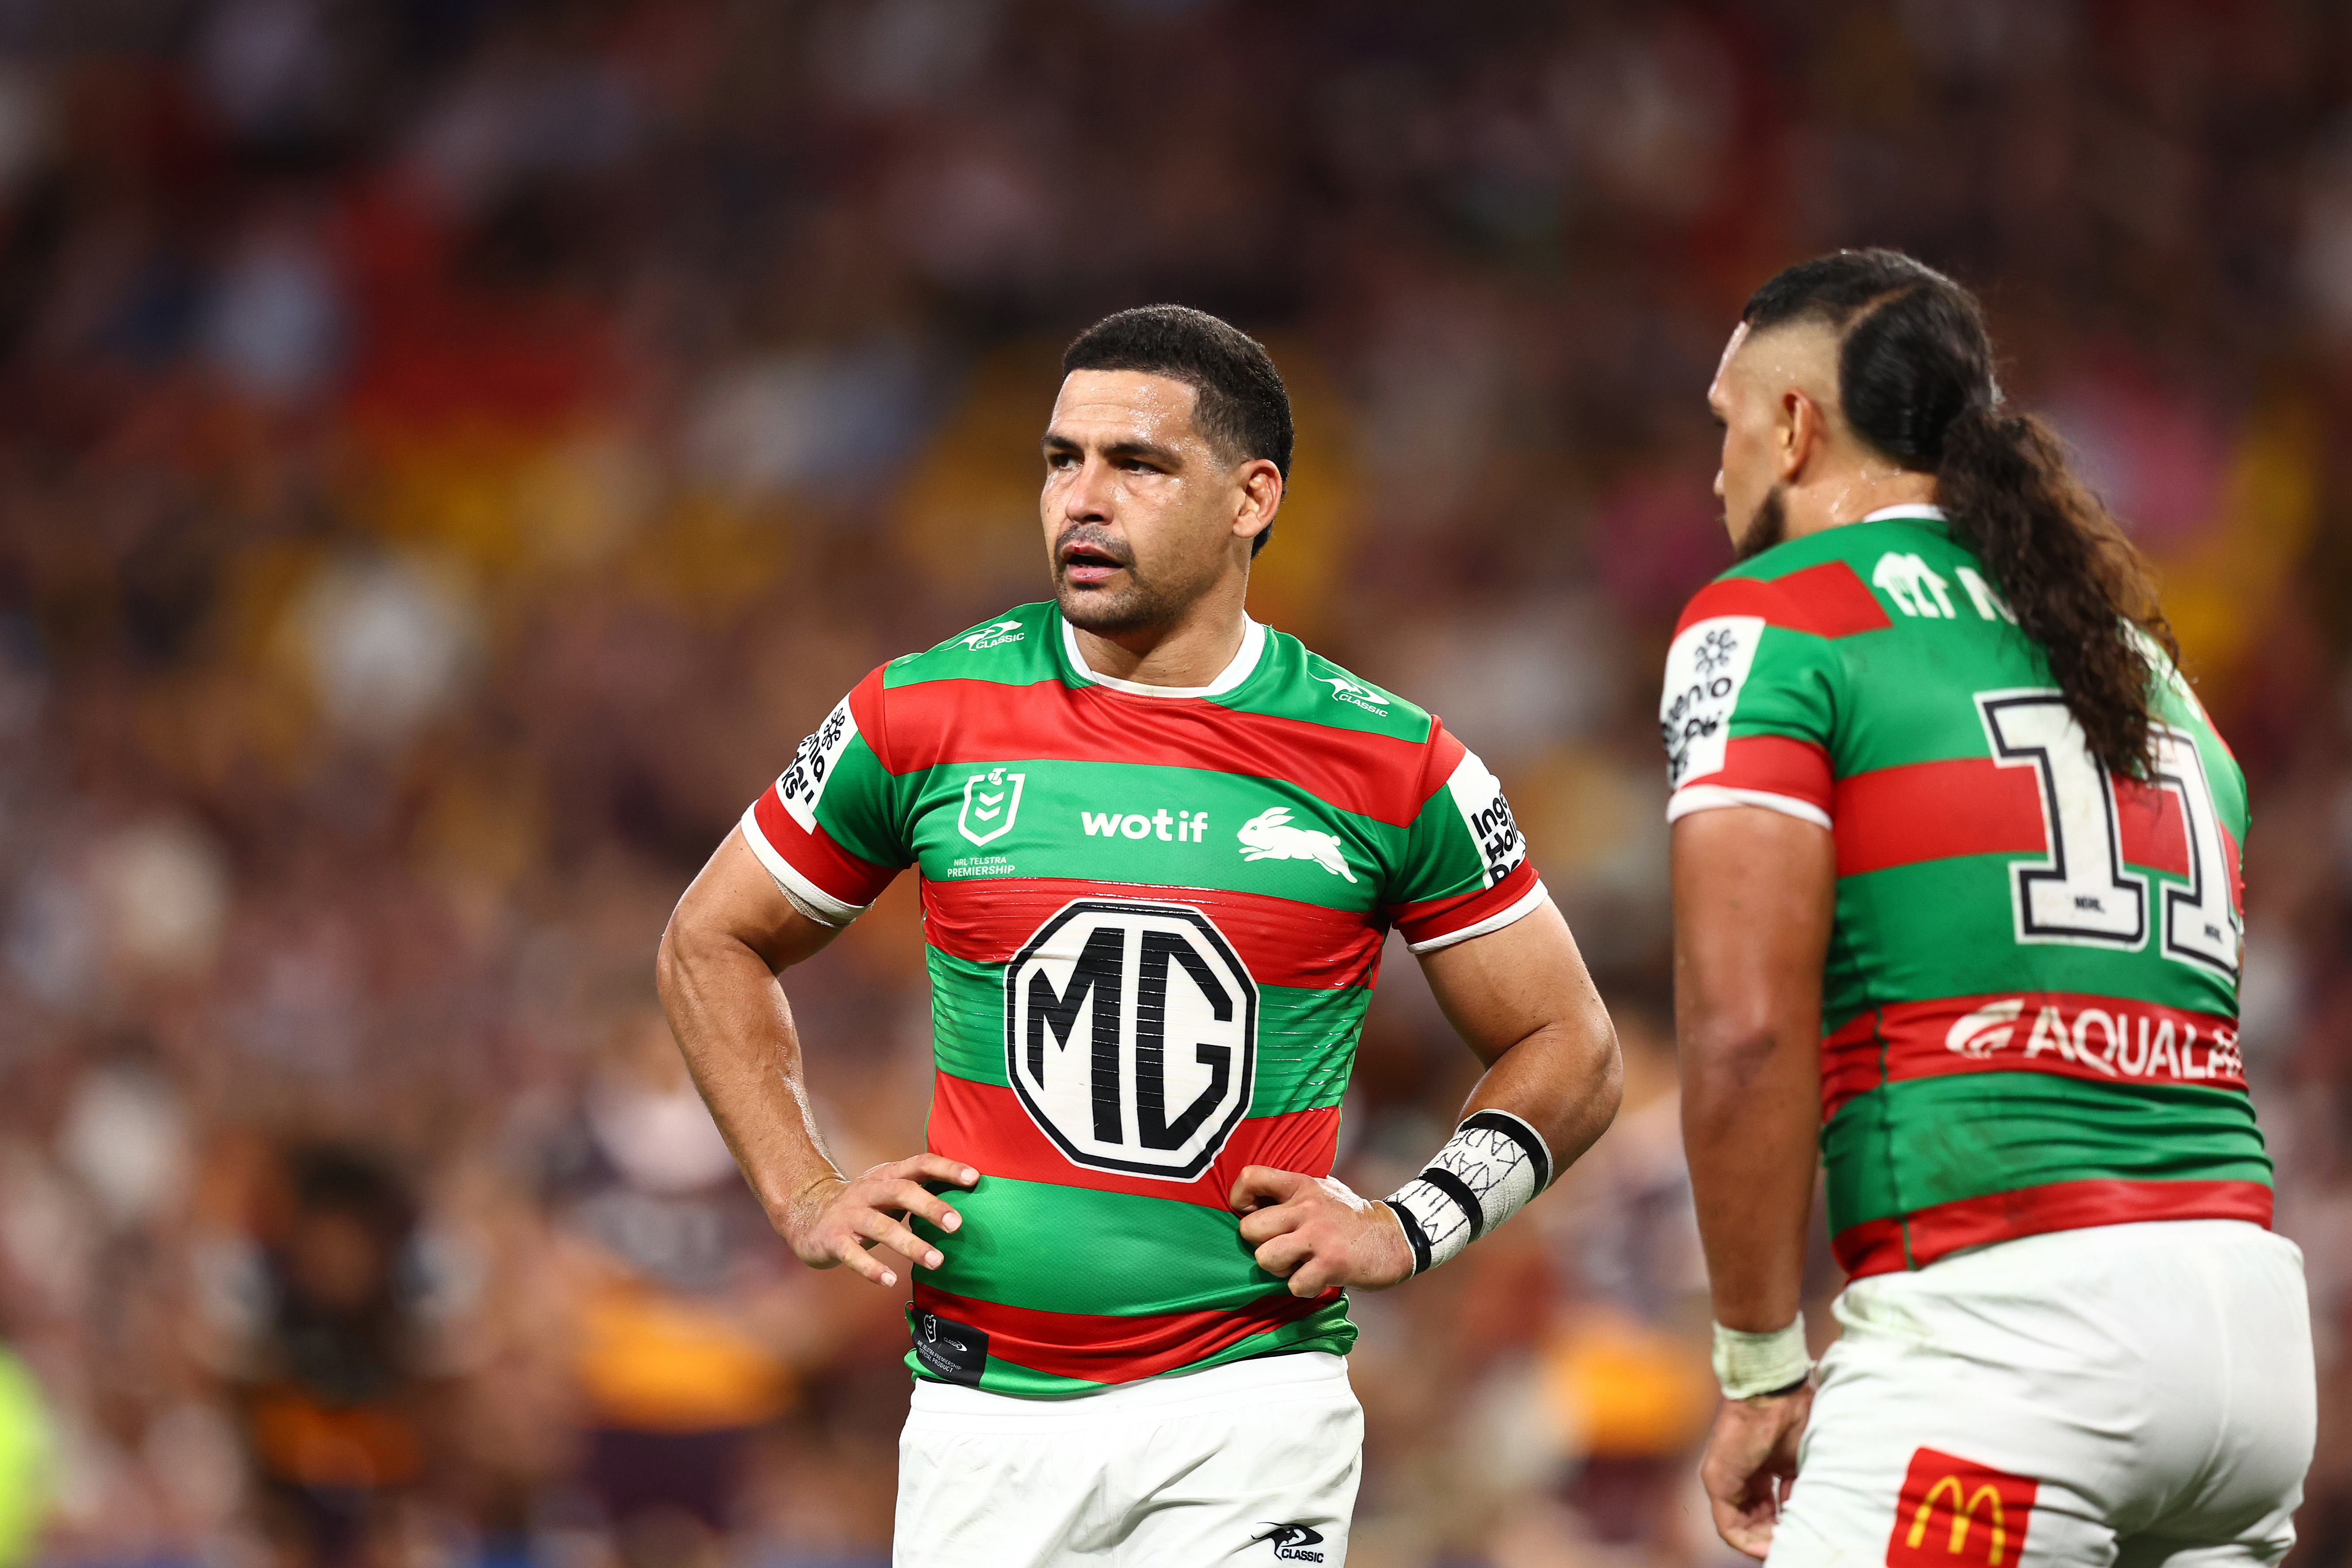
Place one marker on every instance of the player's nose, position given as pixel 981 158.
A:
pixel 1089 498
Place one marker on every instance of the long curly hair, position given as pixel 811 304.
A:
pixel 1916 381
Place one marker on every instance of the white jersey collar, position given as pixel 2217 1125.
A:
pixel 1245 663
pixel 1913 509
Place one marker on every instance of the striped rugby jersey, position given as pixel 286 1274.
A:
pixel 1153 919
pixel 2030 1005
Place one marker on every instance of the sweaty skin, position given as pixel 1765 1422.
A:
pixel 1147 526
pixel 1753 899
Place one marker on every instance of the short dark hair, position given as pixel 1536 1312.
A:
pixel 1916 381
pixel 1239 402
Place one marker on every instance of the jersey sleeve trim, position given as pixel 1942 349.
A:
pixel 1432 923
pixel 1519 907
pixel 835 886
pixel 1693 798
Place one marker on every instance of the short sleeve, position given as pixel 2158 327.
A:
pixel 1465 871
pixel 829 830
pixel 1750 695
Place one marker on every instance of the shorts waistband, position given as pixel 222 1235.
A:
pixel 1241 1384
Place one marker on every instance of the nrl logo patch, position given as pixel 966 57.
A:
pixel 1356 693
pixel 996 633
pixel 991 801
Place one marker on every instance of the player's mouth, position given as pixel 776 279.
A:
pixel 1088 565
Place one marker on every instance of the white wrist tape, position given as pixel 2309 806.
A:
pixel 1749 1364
pixel 1485 1173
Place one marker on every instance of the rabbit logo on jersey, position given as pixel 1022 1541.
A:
pixel 1130 1036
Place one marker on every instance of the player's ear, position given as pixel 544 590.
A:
pixel 1800 432
pixel 1260 498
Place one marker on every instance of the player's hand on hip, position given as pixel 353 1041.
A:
pixel 1314 1233
pixel 836 1220
pixel 1750 1463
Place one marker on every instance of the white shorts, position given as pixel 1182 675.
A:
pixel 1252 1463
pixel 2128 1394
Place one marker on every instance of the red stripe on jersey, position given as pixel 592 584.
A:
pixel 1928 811
pixel 1973 805
pixel 984 1125
pixel 1827 600
pixel 815 855
pixel 2108 1039
pixel 937 722
pixel 1775 764
pixel 1434 918
pixel 1878 1246
pixel 1279 941
pixel 1115 1350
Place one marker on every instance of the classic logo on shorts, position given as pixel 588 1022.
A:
pixel 1955 1511
pixel 1291 1543
pixel 1130 1035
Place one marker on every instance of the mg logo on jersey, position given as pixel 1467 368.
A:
pixel 1952 1510
pixel 991 801
pixel 1130 1035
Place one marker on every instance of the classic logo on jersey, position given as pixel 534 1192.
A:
pixel 1914 586
pixel 1130 1035
pixel 1269 836
pixel 991 801
pixel 1705 668
pixel 1953 1510
pixel 1986 1030
pixel 1291 1543
pixel 1356 692
pixel 996 633
pixel 803 783
pixel 1479 795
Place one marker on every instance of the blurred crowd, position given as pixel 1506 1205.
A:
pixel 451 450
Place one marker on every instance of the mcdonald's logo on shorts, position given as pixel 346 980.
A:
pixel 1953 1510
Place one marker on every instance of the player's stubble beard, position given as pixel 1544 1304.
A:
pixel 1142 603
pixel 1767 528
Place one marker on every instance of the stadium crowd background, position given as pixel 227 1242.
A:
pixel 451 450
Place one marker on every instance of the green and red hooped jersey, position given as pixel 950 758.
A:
pixel 2030 1006
pixel 1153 921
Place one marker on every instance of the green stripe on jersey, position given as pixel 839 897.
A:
pixel 1306 1039
pixel 1073 1250
pixel 1946 928
pixel 1918 1142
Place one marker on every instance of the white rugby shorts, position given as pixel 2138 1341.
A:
pixel 1254 1463
pixel 2130 1395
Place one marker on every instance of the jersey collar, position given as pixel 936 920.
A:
pixel 1245 663
pixel 1913 509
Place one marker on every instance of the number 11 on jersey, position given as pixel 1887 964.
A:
pixel 2082 892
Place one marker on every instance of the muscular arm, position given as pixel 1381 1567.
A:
pixel 731 935
pixel 1521 999
pixel 1754 893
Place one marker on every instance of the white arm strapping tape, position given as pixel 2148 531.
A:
pixel 1749 1364
pixel 1485 1173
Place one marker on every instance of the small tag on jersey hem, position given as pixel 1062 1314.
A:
pixel 949 1350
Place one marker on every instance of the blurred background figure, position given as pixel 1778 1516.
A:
pixel 422 423
pixel 330 1384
